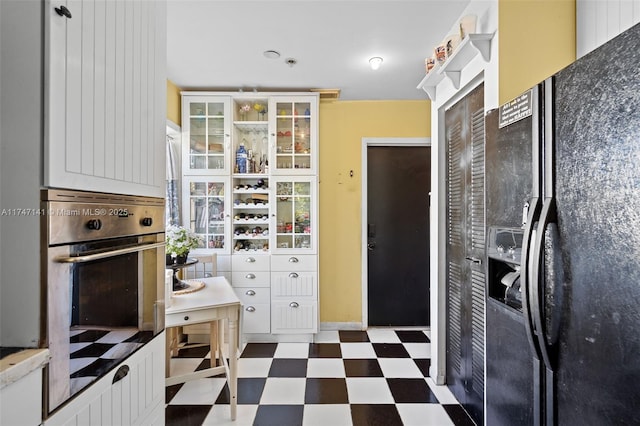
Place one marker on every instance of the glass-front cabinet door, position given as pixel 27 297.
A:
pixel 294 135
pixel 295 215
pixel 206 135
pixel 205 210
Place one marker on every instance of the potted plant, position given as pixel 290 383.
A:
pixel 179 241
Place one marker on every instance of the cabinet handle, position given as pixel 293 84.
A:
pixel 293 275
pixel 250 260
pixel 250 309
pixel 474 260
pixel 186 317
pixel 250 276
pixel 120 374
pixel 293 305
pixel 63 11
pixel 293 260
pixel 250 293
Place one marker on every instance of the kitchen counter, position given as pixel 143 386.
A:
pixel 18 364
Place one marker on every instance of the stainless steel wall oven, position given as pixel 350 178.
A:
pixel 103 278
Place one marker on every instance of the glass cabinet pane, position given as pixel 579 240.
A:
pixel 206 211
pixel 294 148
pixel 207 132
pixel 293 215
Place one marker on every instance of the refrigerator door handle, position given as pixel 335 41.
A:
pixel 527 240
pixel 537 295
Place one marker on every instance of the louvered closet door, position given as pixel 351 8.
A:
pixel 465 276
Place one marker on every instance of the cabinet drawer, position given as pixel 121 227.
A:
pixel 290 284
pixel 252 295
pixel 249 262
pixel 294 316
pixel 294 262
pixel 256 318
pixel 250 278
pixel 180 319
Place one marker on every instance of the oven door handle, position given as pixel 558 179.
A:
pixel 105 254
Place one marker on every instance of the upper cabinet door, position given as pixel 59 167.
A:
pixel 105 96
pixel 206 137
pixel 294 135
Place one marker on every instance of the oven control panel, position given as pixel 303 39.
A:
pixel 75 219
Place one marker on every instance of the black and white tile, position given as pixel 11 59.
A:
pixel 377 377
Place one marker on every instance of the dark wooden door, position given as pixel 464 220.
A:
pixel 465 252
pixel 399 181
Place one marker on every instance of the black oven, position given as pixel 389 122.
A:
pixel 103 273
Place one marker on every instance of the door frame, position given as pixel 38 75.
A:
pixel 366 143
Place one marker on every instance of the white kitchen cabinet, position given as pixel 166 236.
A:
pixel 206 127
pixel 136 398
pixel 294 135
pixel 20 375
pixel 105 96
pixel 251 207
pixel 251 281
pixel 266 145
pixel 205 210
pixel 296 214
pixel 294 294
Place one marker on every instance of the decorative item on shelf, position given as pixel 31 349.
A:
pixel 179 241
pixel 429 63
pixel 440 52
pixel 241 159
pixel 451 44
pixel 261 109
pixel 244 109
pixel 468 25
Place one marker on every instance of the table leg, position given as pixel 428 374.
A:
pixel 233 363
pixel 168 342
pixel 213 342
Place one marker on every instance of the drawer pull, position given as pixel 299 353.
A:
pixel 293 305
pixel 250 260
pixel 250 309
pixel 250 276
pixel 293 275
pixel 186 317
pixel 293 260
pixel 250 293
pixel 121 373
pixel 63 11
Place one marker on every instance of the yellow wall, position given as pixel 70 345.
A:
pixel 537 39
pixel 173 102
pixel 342 127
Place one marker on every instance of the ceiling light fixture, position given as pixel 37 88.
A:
pixel 271 54
pixel 375 62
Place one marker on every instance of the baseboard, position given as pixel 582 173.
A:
pixel 334 326
pixel 438 379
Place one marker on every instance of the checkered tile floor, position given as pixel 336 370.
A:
pixel 377 377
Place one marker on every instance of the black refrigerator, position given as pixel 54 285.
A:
pixel 563 246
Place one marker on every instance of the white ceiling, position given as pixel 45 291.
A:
pixel 219 44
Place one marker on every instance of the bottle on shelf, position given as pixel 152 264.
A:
pixel 241 159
